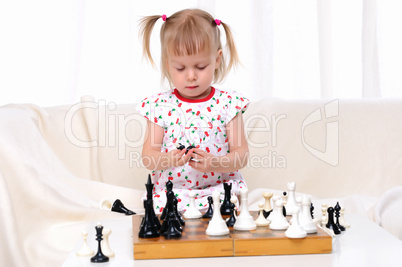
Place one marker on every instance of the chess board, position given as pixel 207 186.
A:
pixel 194 243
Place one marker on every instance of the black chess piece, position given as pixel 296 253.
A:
pixel 266 213
pixel 189 148
pixel 210 210
pixel 118 206
pixel 283 208
pixel 165 211
pixel 232 219
pixel 179 146
pixel 337 215
pixel 150 224
pixel 170 209
pixel 172 231
pixel 312 210
pixel 99 256
pixel 331 224
pixel 176 211
pixel 225 206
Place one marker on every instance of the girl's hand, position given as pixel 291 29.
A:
pixel 205 162
pixel 178 158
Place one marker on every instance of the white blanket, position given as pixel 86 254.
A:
pixel 39 197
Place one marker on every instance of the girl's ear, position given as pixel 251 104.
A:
pixel 218 58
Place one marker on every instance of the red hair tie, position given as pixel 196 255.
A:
pixel 164 17
pixel 218 22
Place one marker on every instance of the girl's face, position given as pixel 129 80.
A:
pixel 192 75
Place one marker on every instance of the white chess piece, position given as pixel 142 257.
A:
pixel 234 200
pixel 291 204
pixel 342 219
pixel 105 243
pixel 279 222
pixel 324 217
pixel 305 220
pixel 192 212
pixel 244 221
pixel 267 196
pixel 217 226
pixel 273 213
pixel 85 249
pixel 295 230
pixel 261 221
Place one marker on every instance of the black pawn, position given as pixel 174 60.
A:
pixel 118 206
pixel 210 210
pixel 312 210
pixel 331 224
pixel 99 256
pixel 283 208
pixel 337 215
pixel 232 219
pixel 172 231
pixel 225 206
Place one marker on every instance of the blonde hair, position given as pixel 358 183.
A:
pixel 188 32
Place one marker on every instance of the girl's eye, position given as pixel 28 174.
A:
pixel 179 69
pixel 201 68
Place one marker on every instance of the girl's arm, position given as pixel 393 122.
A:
pixel 153 158
pixel 235 160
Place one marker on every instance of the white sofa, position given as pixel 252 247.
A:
pixel 58 163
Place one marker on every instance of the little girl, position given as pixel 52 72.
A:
pixel 194 113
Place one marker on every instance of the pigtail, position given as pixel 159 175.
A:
pixel 146 26
pixel 225 68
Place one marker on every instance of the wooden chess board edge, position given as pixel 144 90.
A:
pixel 284 246
pixel 219 248
pixel 235 244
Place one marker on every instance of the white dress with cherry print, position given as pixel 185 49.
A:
pixel 201 123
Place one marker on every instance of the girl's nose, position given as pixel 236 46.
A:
pixel 191 75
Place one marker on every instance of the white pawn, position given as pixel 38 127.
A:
pixel 267 196
pixel 291 204
pixel 279 222
pixel 324 217
pixel 217 226
pixel 305 220
pixel 261 221
pixel 244 221
pixel 273 215
pixel 105 243
pixel 192 212
pixel 342 219
pixel 85 249
pixel 295 230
